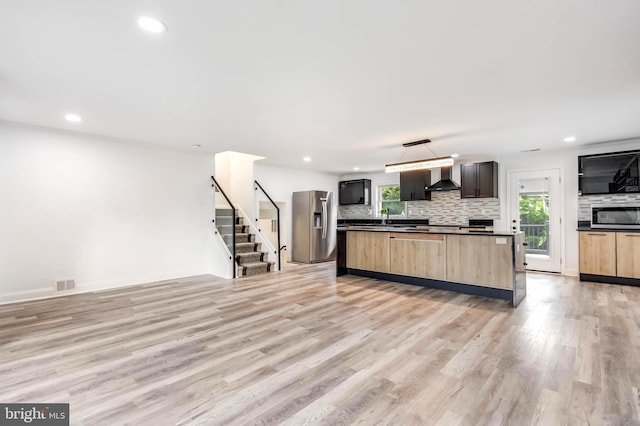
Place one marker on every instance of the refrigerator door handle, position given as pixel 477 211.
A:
pixel 324 218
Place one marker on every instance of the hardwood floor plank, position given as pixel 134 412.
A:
pixel 304 347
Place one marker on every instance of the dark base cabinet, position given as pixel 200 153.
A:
pixel 479 180
pixel 341 250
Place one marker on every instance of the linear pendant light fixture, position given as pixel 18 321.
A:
pixel 432 163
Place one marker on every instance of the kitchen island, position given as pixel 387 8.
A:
pixel 489 263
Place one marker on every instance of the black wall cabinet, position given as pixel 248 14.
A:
pixel 479 180
pixel 355 192
pixel 413 184
pixel 610 173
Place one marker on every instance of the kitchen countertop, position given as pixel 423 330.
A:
pixel 428 229
pixel 589 229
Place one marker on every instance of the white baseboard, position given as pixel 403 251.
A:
pixel 47 293
pixel 571 272
pixel 38 293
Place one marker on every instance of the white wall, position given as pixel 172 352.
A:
pixel 566 160
pixel 101 211
pixel 235 174
pixel 280 183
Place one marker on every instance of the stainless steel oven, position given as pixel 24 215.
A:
pixel 613 216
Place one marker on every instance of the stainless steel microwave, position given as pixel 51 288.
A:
pixel 615 216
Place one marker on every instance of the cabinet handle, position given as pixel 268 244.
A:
pixel 417 239
pixel 597 235
pixel 632 235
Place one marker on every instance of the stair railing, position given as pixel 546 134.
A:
pixel 232 246
pixel 278 247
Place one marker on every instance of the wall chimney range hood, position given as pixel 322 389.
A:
pixel 445 183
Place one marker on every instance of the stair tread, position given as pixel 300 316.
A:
pixel 250 264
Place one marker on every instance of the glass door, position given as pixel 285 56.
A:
pixel 535 210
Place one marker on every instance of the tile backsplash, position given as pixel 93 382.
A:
pixel 445 208
pixel 584 202
pixel 355 212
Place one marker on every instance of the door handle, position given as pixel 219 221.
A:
pixel 324 218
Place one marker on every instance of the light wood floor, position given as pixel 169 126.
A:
pixel 302 347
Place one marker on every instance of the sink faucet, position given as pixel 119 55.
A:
pixel 385 211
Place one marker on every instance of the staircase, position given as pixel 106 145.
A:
pixel 249 258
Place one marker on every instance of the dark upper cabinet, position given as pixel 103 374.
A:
pixel 479 180
pixel 355 192
pixel 413 185
pixel 610 173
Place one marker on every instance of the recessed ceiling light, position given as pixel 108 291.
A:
pixel 570 139
pixel 306 159
pixel 152 25
pixel 74 118
pixel 356 169
pixel 196 146
pixel 455 155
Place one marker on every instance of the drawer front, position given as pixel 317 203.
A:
pixel 413 256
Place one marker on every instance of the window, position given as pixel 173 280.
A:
pixel 389 198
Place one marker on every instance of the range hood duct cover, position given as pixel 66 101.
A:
pixel 445 183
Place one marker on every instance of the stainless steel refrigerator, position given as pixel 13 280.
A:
pixel 315 217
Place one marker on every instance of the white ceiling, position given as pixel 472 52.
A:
pixel 345 82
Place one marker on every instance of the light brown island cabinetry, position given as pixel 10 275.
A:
pixel 598 253
pixel 368 251
pixel 464 262
pixel 417 255
pixel 480 260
